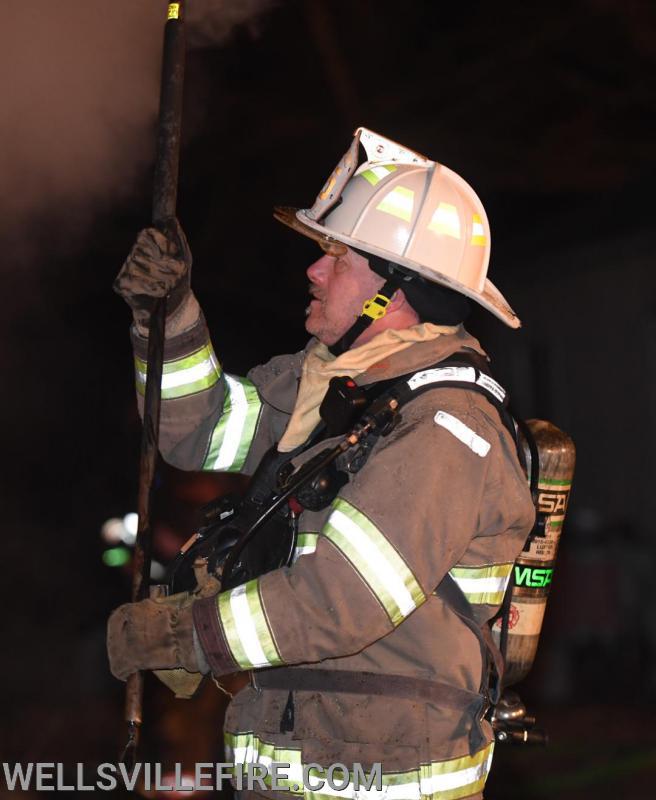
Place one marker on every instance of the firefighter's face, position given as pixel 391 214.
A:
pixel 340 282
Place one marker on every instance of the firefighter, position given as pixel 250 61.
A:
pixel 358 653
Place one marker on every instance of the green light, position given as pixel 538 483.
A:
pixel 116 557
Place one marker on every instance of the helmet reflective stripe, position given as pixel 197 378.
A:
pixel 232 436
pixel 399 203
pixel 242 617
pixel 478 231
pixel 486 584
pixel 412 211
pixel 183 376
pixel 445 221
pixel 376 174
pixel 380 565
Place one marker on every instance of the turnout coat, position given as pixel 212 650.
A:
pixel 443 493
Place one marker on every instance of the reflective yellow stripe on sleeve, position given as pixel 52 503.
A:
pixel 233 434
pixel 484 584
pixel 246 627
pixel 183 376
pixel 306 543
pixel 379 564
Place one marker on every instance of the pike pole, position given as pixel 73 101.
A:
pixel 165 191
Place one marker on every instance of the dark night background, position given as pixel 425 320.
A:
pixel 548 110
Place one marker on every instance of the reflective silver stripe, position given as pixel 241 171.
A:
pixel 246 627
pixel 183 376
pixel 464 433
pixel 484 584
pixel 451 779
pixel 379 564
pixel 395 786
pixel 234 432
pixel 463 374
pixel 458 777
pixel 247 748
pixel 305 543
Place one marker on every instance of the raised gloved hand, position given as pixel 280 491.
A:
pixel 157 634
pixel 157 266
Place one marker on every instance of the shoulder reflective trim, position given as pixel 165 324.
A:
pixel 234 432
pixel 380 565
pixel 243 749
pixel 242 616
pixel 184 376
pixel 462 374
pixel 438 374
pixel 451 779
pixel 305 543
pixel 398 203
pixel 375 174
pixel 462 432
pixel 486 584
pixel 492 386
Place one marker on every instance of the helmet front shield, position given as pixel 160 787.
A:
pixel 378 149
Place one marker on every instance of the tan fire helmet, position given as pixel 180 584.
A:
pixel 403 207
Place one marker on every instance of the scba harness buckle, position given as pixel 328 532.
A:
pixel 376 307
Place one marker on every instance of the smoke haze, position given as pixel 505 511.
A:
pixel 80 87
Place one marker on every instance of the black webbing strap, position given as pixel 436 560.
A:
pixel 536 530
pixel 443 695
pixel 450 593
pixel 534 476
pixel 364 320
pixel 404 393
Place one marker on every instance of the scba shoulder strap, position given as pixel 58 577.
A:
pixel 465 369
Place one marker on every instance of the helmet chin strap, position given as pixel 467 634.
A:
pixel 373 309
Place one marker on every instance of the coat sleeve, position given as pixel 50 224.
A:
pixel 211 420
pixel 444 475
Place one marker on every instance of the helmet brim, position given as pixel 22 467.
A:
pixel 490 298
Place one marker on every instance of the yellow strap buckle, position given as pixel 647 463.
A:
pixel 376 307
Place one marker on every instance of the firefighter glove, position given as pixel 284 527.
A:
pixel 152 634
pixel 157 266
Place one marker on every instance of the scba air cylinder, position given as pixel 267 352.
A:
pixel 534 569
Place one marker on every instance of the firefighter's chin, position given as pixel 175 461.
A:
pixel 313 309
pixel 315 322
